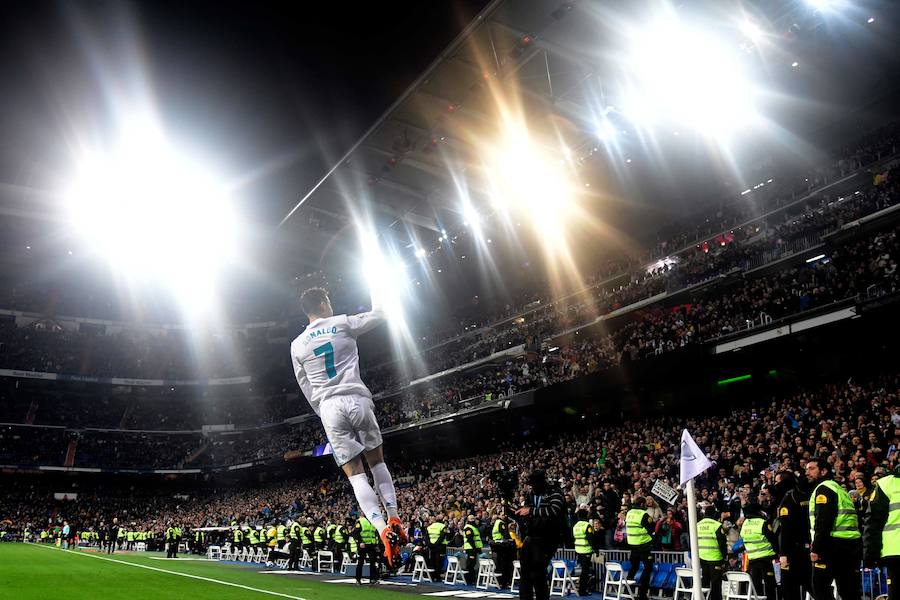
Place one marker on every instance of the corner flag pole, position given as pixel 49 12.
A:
pixel 693 462
pixel 692 532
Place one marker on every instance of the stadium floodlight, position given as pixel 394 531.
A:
pixel 681 74
pixel 751 30
pixel 386 276
pixel 471 217
pixel 154 213
pixel 605 130
pixel 420 253
pixel 523 175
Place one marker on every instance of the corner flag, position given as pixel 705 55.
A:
pixel 693 460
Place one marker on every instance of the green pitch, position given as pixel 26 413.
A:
pixel 38 572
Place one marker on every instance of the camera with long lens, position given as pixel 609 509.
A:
pixel 506 482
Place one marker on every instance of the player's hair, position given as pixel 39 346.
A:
pixel 312 300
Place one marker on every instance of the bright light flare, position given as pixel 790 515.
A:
pixel 751 30
pixel 471 217
pixel 527 178
pixel 677 74
pixel 154 214
pixel 386 276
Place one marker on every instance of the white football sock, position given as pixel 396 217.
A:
pixel 368 500
pixel 385 485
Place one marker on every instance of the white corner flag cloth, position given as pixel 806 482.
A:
pixel 693 460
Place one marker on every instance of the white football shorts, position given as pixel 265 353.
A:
pixel 350 426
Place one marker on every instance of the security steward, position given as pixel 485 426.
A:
pixel 319 537
pixel 199 541
pixel 760 542
pixel 367 538
pixel 639 534
pixel 835 548
pixel 319 543
pixel 792 530
pixel 237 538
pixel 472 546
pixel 504 550
pixel 583 533
pixel 436 537
pixel 294 534
pixel 279 535
pixel 329 534
pixel 881 534
pixel 712 547
pixel 352 542
pixel 252 538
pixel 171 542
pixel 306 538
pixel 338 543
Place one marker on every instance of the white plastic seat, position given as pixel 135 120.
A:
pixel 487 575
pixel 305 560
pixel 684 584
pixel 615 586
pixel 740 586
pixel 214 553
pixel 454 573
pixel 140 547
pixel 227 552
pixel 326 561
pixel 420 571
pixel 281 563
pixel 561 583
pixel 347 563
pixel 516 575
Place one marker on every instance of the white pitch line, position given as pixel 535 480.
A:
pixel 148 567
pixel 181 559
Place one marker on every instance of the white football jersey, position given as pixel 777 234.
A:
pixel 326 359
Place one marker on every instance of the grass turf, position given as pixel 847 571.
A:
pixel 30 572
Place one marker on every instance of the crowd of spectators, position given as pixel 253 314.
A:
pixel 742 249
pixel 852 424
pixel 170 354
pixel 850 270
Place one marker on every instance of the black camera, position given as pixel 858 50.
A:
pixel 506 482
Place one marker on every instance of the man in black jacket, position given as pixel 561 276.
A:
pixel 792 529
pixel 835 548
pixel 543 520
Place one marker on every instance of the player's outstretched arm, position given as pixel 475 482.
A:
pixel 363 322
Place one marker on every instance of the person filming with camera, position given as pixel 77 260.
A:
pixel 542 520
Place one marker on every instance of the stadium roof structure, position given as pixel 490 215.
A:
pixel 417 157
pixel 554 57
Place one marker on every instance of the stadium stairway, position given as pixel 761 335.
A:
pixel 196 453
pixel 32 412
pixel 70 453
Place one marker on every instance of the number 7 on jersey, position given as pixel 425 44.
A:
pixel 328 350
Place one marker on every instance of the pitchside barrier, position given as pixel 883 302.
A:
pixel 662 583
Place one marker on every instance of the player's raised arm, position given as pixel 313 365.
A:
pixel 363 322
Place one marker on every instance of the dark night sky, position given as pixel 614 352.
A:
pixel 272 87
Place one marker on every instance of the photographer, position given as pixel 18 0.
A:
pixel 542 520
